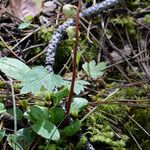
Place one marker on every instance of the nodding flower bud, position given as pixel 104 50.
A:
pixel 71 32
pixel 69 10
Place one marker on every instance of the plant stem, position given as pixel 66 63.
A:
pixel 68 103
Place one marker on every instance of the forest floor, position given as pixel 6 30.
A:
pixel 110 102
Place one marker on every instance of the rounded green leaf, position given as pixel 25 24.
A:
pixel 73 128
pixel 18 112
pixel 39 112
pixel 11 139
pixel 147 18
pixel 23 25
pixel 25 137
pixel 77 105
pixel 46 129
pixel 71 30
pixel 57 115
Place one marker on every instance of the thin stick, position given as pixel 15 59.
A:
pixel 10 49
pixel 90 112
pixel 139 125
pixel 135 141
pixel 14 111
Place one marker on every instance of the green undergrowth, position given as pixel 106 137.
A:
pixel 111 125
pixel 121 120
pixel 86 52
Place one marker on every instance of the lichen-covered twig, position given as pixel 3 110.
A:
pixel 60 31
pixel 54 42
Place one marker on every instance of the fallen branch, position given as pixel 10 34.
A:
pixel 60 31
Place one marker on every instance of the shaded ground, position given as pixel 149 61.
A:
pixel 119 36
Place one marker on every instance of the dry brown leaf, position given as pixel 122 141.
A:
pixel 26 8
pixel 49 6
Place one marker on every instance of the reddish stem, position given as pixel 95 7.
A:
pixel 68 103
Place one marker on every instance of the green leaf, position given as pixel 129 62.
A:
pixel 78 87
pixel 73 128
pixel 101 66
pixel 79 54
pixel 77 105
pixel 46 129
pixel 145 144
pixel 12 141
pixel 39 77
pixel 2 134
pixel 135 2
pixel 39 112
pixel 23 25
pixel 2 109
pixel 26 134
pixel 28 116
pixel 57 115
pixel 32 79
pixel 13 68
pixel 52 147
pixel 28 18
pixel 57 97
pixel 24 104
pixel 93 70
pixel 147 18
pixel 25 137
pixel 18 112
